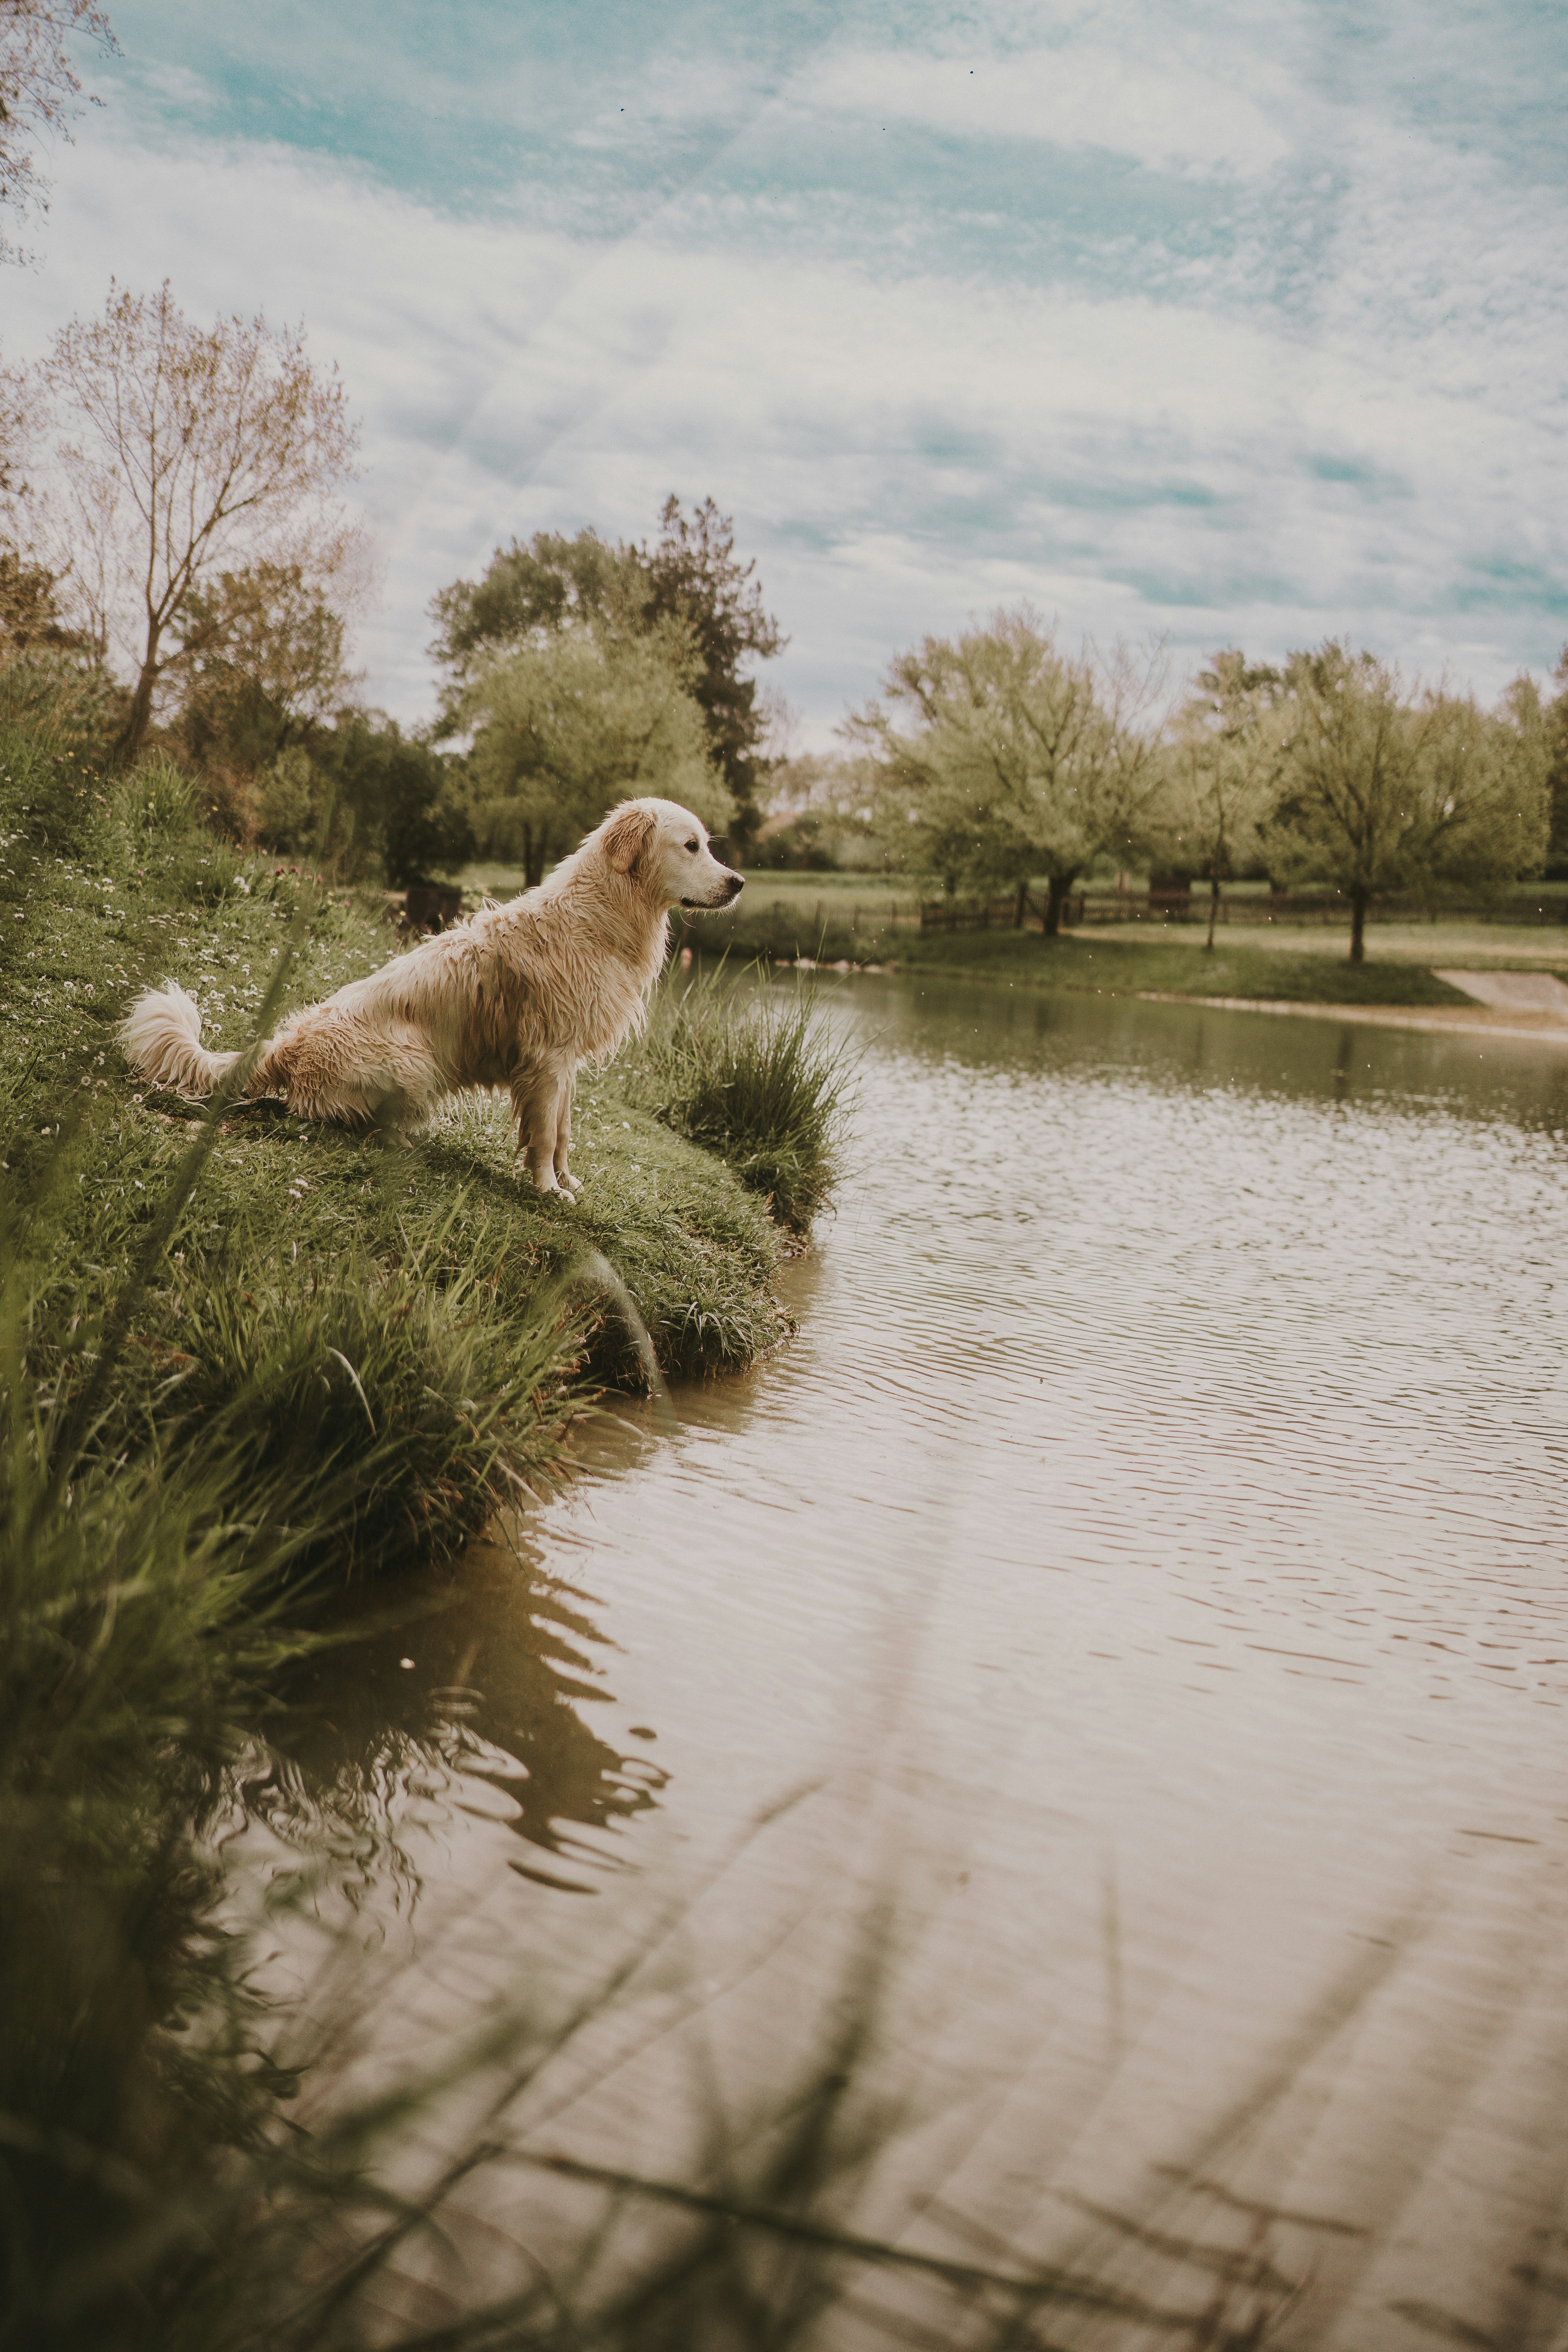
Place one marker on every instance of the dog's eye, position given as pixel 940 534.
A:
pixel 692 846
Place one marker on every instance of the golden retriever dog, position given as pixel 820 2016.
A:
pixel 516 996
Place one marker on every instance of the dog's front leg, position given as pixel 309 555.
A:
pixel 535 1106
pixel 564 1175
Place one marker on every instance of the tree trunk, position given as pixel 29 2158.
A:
pixel 532 858
pixel 1056 888
pixel 1358 926
pixel 139 718
pixel 1213 911
pixel 1020 906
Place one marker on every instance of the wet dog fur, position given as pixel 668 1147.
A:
pixel 516 996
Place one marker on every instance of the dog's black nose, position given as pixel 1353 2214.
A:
pixel 734 885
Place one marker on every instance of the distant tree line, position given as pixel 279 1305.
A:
pixel 999 758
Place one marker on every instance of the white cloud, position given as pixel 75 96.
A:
pixel 901 452
pixel 1147 103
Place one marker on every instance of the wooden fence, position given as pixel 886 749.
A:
pixel 1303 908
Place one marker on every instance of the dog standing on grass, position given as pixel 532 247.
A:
pixel 516 996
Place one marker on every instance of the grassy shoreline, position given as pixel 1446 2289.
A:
pixel 1088 962
pixel 243 1359
pixel 128 904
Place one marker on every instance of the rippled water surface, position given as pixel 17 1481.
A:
pixel 1146 1569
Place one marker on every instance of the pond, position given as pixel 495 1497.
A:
pixel 1122 1642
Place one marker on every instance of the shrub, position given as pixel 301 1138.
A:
pixel 54 712
pixel 153 797
pixel 756 1079
pixel 63 699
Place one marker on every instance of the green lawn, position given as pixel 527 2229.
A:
pixel 1302 966
pixel 1089 962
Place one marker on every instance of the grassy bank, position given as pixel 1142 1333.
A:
pixel 1083 962
pixel 242 1358
pixel 135 898
pixel 1310 968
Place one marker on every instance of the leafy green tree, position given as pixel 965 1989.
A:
pixel 1223 765
pixel 527 592
pixel 572 723
pixel 696 582
pixel 1016 759
pixel 366 799
pixel 1555 720
pixel 689 596
pixel 1387 790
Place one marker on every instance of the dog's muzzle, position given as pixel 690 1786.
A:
pixel 734 886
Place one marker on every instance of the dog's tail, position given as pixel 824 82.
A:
pixel 162 1037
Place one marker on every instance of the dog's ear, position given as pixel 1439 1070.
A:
pixel 628 834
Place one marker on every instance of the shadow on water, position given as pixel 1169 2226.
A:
pixel 452 1680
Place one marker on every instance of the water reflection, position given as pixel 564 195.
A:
pixel 467 1689
pixel 1195 1046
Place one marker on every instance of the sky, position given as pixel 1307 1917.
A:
pixel 1217 322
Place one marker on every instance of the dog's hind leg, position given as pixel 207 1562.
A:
pixel 329 1065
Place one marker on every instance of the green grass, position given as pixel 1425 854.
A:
pixel 1093 960
pixel 1089 961
pixel 84 930
pixel 754 1079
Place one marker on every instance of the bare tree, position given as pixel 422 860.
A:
pixel 187 454
pixel 18 426
pixel 38 89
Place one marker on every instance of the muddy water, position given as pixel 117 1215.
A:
pixel 1141 1588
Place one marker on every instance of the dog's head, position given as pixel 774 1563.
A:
pixel 663 849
